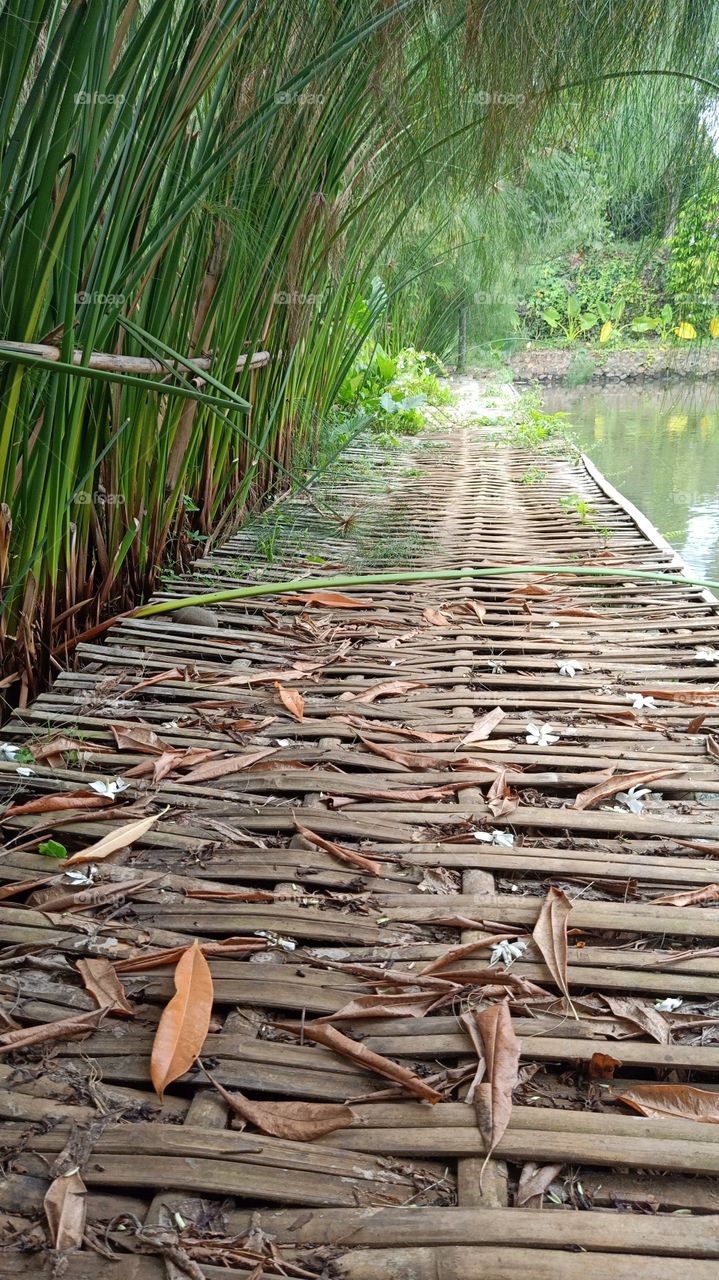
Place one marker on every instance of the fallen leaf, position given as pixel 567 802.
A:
pixel 640 1014
pixel 64 1029
pixel 435 617
pixel 295 1121
pixel 699 697
pixel 709 893
pixel 392 730
pixel 413 1005
pixel 104 985
pixel 330 599
pixel 338 851
pixel 679 1100
pixel 24 886
pixel 52 804
pixel 472 606
pixel 292 700
pixel 601 1066
pixel 499 798
pixel 342 1044
pixel 550 937
pixel 466 949
pixel 695 725
pixel 185 1021
pixel 119 839
pixel 482 728
pixel 621 782
pixel 533 1182
pixel 387 689
pixel 52 752
pixel 493 1096
pixel 173 673
pixel 227 765
pixel 138 737
pixel 171 955
pixel 65 1207
pixel 713 748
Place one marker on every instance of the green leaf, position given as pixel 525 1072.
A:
pixel 52 849
pixel 551 317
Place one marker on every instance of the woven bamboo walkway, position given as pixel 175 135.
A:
pixel 418 843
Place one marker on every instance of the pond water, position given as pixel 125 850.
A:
pixel 659 445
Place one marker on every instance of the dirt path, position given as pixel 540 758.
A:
pixel 329 826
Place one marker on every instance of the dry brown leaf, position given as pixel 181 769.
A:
pixel 681 1101
pixel 411 1005
pixel 713 748
pixel 185 1021
pixel 52 752
pixel 483 727
pixel 65 1207
pixel 227 765
pixel 695 725
pixel 499 798
pixel 64 1029
pixel 338 851
pixel 387 689
pixel 550 937
pixel 330 599
pixel 356 1052
pixel 53 804
pixel 24 886
pixel 138 737
pixel 435 617
pixel 466 949
pixel 533 1182
pixel 479 610
pixel 295 1121
pixel 68 899
pixel 621 782
pixel 104 985
pixel 119 839
pixel 708 893
pixel 493 1095
pixel 171 955
pixel 173 673
pixel 640 1014
pixel 601 1066
pixel 292 701
pixel 393 730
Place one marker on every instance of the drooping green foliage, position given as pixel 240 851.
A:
pixel 184 179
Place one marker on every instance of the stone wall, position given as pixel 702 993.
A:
pixel 634 364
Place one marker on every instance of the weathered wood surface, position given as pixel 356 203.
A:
pixel 387 776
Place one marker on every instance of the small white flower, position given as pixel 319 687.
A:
pixel 496 668
pixel 668 1005
pixel 553 623
pixel 24 771
pixel 283 742
pixel 708 654
pixel 503 837
pixel 495 837
pixel 638 701
pixel 507 952
pixel 81 877
pixel 570 668
pixel 169 724
pixel 110 788
pixel 633 799
pixel 541 735
pixel 8 751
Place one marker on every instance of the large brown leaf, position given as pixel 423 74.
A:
pixel 465 949
pixel 493 1095
pixel 296 1121
pixel 550 938
pixel 356 1052
pixel 185 1020
pixel 118 839
pixel 65 1207
pixel 292 701
pixel 621 782
pixel 171 955
pixel 678 1100
pixel 227 765
pixel 411 1005
pixel 533 1182
pixel 338 851
pixel 53 804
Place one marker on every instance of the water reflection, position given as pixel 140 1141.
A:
pixel 660 446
